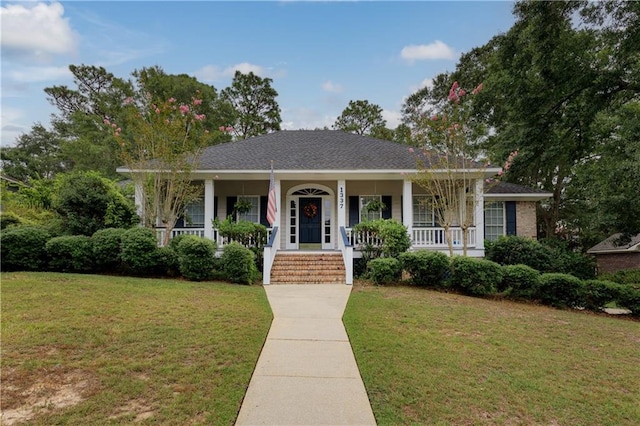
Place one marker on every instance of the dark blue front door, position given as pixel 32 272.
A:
pixel 310 215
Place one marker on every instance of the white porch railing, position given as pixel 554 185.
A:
pixel 219 239
pixel 421 238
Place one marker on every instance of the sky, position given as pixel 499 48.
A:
pixel 320 55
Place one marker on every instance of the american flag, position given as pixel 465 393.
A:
pixel 271 204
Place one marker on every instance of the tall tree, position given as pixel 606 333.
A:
pixel 361 117
pixel 256 110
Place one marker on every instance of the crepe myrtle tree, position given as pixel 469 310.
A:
pixel 159 143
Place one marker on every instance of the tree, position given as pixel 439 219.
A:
pixel 361 118
pixel 159 144
pixel 256 111
pixel 37 155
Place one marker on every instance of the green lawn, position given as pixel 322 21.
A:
pixel 437 358
pixel 86 349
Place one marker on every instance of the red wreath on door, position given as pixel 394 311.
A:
pixel 310 210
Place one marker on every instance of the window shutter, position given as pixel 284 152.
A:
pixel 510 211
pixel 386 213
pixel 354 210
pixel 215 206
pixel 263 210
pixel 230 202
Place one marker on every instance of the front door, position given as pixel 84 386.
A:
pixel 310 215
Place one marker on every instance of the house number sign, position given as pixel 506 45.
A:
pixel 341 197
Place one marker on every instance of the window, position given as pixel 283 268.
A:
pixel 194 214
pixel 252 215
pixel 494 220
pixel 423 215
pixel 370 215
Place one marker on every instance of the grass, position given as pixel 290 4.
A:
pixel 87 349
pixel 436 358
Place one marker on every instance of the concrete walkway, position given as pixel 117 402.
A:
pixel 306 373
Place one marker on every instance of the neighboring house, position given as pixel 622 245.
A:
pixel 612 256
pixel 324 179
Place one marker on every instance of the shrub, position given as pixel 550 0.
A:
pixel 630 299
pixel 107 248
pixel 238 264
pixel 139 250
pixel 9 219
pixel 248 234
pixel 195 255
pixel 477 277
pixel 597 293
pixel 384 270
pixel 73 253
pixel 166 262
pixel 22 248
pixel 426 268
pixel 560 290
pixel 624 276
pixel 514 250
pixel 577 264
pixel 519 280
pixel 391 236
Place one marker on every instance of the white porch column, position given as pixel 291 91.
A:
pixel 139 202
pixel 479 213
pixel 342 204
pixel 209 194
pixel 407 206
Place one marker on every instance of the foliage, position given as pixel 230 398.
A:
pixel 514 250
pixel 384 270
pixel 139 250
pixel 597 293
pixel 254 103
pixel 167 262
pixel 238 264
pixel 70 253
pixel 560 290
pixel 427 268
pixel 624 276
pixel 107 248
pixel 362 118
pixel 87 202
pixel 630 299
pixel 477 277
pixel 22 248
pixel 249 234
pixel 519 280
pixel 195 255
pixel 390 235
pixel 9 219
pixel 579 265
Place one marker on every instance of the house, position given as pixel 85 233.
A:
pixel 611 256
pixel 324 181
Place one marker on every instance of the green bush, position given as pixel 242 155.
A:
pixel 248 234
pixel 427 268
pixel 514 250
pixel 624 276
pixel 22 248
pixel 107 248
pixel 391 236
pixel 597 293
pixel 384 270
pixel 577 264
pixel 519 280
pixel 9 219
pixel 166 262
pixel 630 299
pixel 238 264
pixel 175 241
pixel 560 290
pixel 196 255
pixel 139 251
pixel 73 253
pixel 477 277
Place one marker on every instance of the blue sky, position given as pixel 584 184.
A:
pixel 320 55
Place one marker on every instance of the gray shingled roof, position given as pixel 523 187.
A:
pixel 611 244
pixel 308 150
pixel 510 188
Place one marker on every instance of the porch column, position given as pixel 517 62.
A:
pixel 209 194
pixel 342 204
pixel 407 206
pixel 139 202
pixel 479 213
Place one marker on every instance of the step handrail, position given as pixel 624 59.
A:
pixel 269 254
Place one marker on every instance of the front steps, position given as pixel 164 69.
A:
pixel 308 268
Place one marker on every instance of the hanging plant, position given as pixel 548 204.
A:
pixel 375 206
pixel 243 206
pixel 310 210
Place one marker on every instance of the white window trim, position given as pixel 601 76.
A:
pixel 433 212
pixel 252 197
pixel 504 219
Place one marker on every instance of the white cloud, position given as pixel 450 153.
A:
pixel 332 87
pixel 435 50
pixel 213 72
pixel 36 33
pixel 11 127
pixel 306 118
pixel 37 74
pixel 427 82
pixel 393 118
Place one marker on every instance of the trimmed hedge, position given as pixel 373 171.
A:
pixel 630 299
pixel 195 256
pixel 72 253
pixel 624 276
pixel 8 219
pixel 514 250
pixel 384 270
pixel 139 251
pixel 427 268
pixel 22 248
pixel 560 290
pixel 238 264
pixel 519 280
pixel 393 236
pixel 477 277
pixel 107 248
pixel 597 293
